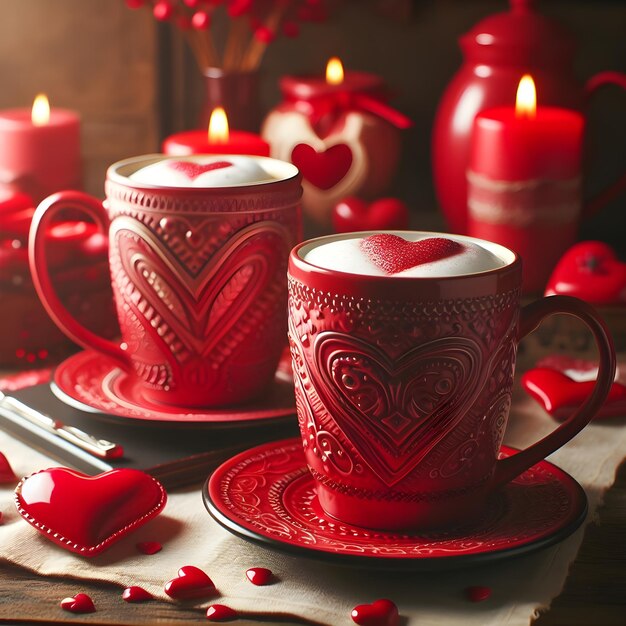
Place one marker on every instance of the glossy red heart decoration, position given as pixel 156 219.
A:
pixel 477 593
pixel 191 582
pixel 7 475
pixel 353 214
pixel 380 613
pixel 193 170
pixel 560 395
pixel 80 603
pixel 136 594
pixel 393 254
pixel 86 514
pixel 259 575
pixel 149 547
pixel 591 271
pixel 322 169
pixel 220 613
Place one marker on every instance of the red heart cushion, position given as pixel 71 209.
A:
pixel 353 214
pixel 86 514
pixel 322 169
pixel 393 254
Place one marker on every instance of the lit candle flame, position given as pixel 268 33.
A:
pixel 334 72
pixel 218 126
pixel 526 99
pixel 40 115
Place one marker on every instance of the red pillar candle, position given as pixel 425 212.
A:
pixel 218 140
pixel 524 181
pixel 39 150
pixel 340 132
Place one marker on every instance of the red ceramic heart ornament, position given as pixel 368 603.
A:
pixel 353 214
pixel 7 475
pixel 323 169
pixel 393 254
pixel 591 271
pixel 380 613
pixel 560 395
pixel 86 514
pixel 80 603
pixel 190 583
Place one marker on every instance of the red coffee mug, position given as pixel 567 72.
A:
pixel 403 386
pixel 198 276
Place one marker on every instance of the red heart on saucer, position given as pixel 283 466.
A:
pixel 393 254
pixel 86 514
pixel 80 603
pixel 560 395
pixel 7 475
pixel 380 613
pixel 190 583
pixel 353 214
pixel 591 271
pixel 322 169
pixel 193 170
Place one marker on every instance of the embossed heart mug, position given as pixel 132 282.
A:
pixel 403 384
pixel 198 275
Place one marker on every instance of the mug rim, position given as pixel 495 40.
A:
pixel 114 174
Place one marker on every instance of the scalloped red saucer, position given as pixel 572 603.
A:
pixel 267 495
pixel 92 382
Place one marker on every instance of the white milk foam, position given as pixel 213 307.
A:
pixel 244 170
pixel 346 255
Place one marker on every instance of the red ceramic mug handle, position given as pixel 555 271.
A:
pixel 531 316
pixel 593 85
pixel 43 217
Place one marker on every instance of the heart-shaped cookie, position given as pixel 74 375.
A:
pixel 591 271
pixel 393 254
pixel 86 514
pixel 80 603
pixel 381 612
pixel 560 396
pixel 353 214
pixel 190 583
pixel 323 169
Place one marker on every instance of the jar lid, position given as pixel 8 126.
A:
pixel 520 35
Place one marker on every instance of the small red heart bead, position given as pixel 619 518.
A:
pixel 80 603
pixel 353 214
pixel 220 613
pixel 7 475
pixel 393 254
pixel 149 547
pixel 86 514
pixel 380 613
pixel 190 583
pixel 136 594
pixel 477 593
pixel 259 575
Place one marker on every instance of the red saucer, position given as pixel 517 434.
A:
pixel 267 495
pixel 92 382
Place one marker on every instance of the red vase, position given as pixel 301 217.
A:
pixel 497 52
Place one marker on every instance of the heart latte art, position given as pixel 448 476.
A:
pixel 202 171
pixel 404 255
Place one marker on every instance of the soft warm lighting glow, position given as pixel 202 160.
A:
pixel 334 72
pixel 40 114
pixel 526 100
pixel 218 126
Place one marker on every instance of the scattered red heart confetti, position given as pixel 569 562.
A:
pixel 259 575
pixel 380 613
pixel 80 603
pixel 393 254
pixel 136 594
pixel 7 475
pixel 191 582
pixel 220 613
pixel 86 514
pixel 353 214
pixel 193 170
pixel 149 547
pixel 477 593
